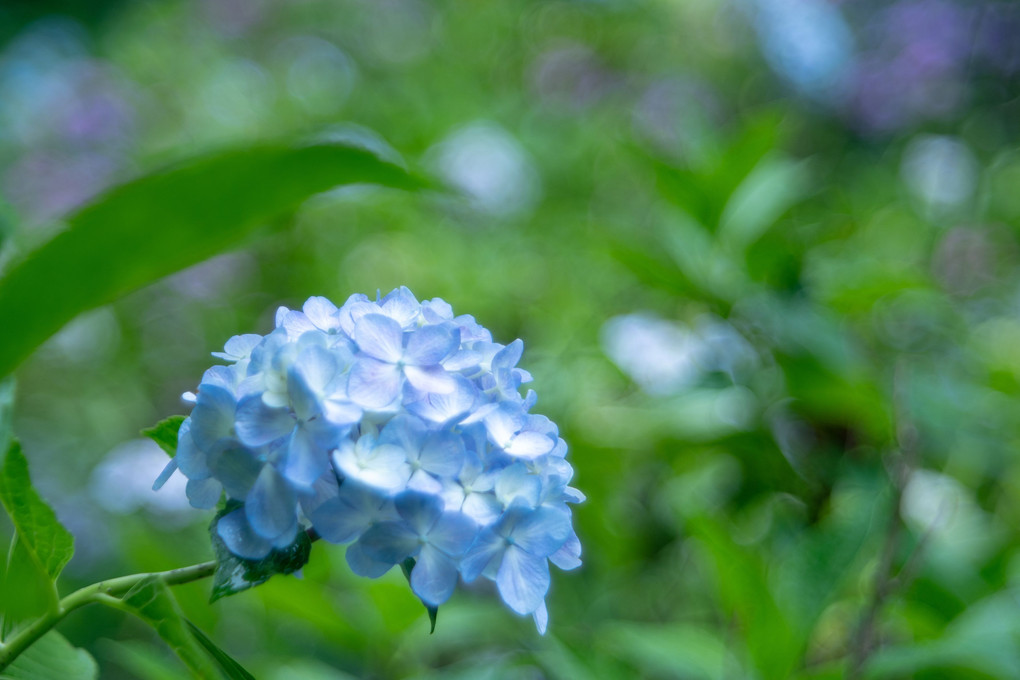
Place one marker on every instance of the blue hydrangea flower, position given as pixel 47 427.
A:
pixel 395 427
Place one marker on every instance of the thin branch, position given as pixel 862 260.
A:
pixel 103 591
pixel 904 462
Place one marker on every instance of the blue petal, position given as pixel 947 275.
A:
pixel 380 337
pixel 237 534
pixel 516 482
pixel 449 407
pixel 204 493
pixel 271 505
pixel 194 463
pixel 213 416
pixel 336 523
pixel 453 533
pixel 508 357
pixel 443 454
pixel 374 384
pixel 434 576
pixel 488 547
pixel 542 532
pixel 419 510
pixel 429 345
pixel 305 461
pixel 569 555
pixel 430 379
pixel 171 467
pixel 259 424
pixel 363 565
pixel 322 313
pixel 541 616
pixel 523 580
pixel 401 305
pixel 530 445
pixel 405 432
pixel 389 542
pixel 318 366
pixel 237 469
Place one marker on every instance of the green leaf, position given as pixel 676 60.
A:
pixel 52 657
pixel 152 601
pixel 47 541
pixel 770 190
pixel 230 667
pixel 235 574
pixel 407 566
pixel 167 221
pixel 745 591
pixel 164 433
pixel 6 412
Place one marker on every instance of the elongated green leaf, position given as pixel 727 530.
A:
pixel 235 574
pixel 771 641
pixel 47 541
pixel 52 657
pixel 164 433
pixel 230 667
pixel 6 412
pixel 152 601
pixel 164 222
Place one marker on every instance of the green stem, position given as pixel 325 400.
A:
pixel 97 592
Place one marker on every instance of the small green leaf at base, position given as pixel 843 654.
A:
pixel 152 601
pixel 48 542
pixel 52 657
pixel 164 433
pixel 230 667
pixel 235 574
pixel 407 566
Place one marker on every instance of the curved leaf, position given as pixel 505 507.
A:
pixel 152 601
pixel 161 223
pixel 48 542
pixel 52 657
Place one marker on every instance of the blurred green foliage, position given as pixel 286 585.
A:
pixel 779 337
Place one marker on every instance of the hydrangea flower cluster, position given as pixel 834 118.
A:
pixel 395 427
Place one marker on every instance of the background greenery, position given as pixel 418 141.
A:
pixel 762 253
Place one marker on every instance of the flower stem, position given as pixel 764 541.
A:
pixel 97 592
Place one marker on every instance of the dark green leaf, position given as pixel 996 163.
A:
pixel 52 657
pixel 6 412
pixel 230 667
pixel 164 433
pixel 234 574
pixel 152 601
pixel 47 541
pixel 407 566
pixel 167 221
pixel 745 591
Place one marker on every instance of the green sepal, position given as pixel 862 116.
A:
pixel 407 566
pixel 164 433
pixel 234 574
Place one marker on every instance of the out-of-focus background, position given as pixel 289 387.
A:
pixel 762 253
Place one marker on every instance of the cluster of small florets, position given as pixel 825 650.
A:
pixel 396 427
